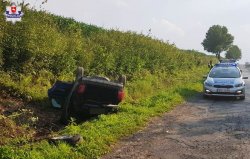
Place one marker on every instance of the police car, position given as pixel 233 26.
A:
pixel 225 79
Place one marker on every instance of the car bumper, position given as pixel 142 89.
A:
pixel 96 109
pixel 230 92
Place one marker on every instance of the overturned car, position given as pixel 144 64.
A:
pixel 92 95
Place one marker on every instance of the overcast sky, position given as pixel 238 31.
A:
pixel 183 22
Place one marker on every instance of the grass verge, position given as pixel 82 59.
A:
pixel 148 96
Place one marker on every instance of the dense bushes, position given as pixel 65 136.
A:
pixel 57 45
pixel 44 47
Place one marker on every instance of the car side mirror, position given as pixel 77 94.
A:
pixel 204 76
pixel 245 78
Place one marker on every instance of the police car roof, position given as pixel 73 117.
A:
pixel 226 65
pixel 228 61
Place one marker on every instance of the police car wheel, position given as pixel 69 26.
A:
pixel 243 97
pixel 205 96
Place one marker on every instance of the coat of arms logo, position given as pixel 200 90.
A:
pixel 13 13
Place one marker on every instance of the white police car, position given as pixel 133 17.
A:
pixel 225 79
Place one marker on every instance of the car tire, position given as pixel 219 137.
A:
pixel 79 73
pixel 122 79
pixel 243 97
pixel 205 96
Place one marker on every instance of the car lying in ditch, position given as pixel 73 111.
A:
pixel 87 95
pixel 225 79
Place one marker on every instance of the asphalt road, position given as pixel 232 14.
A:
pixel 201 128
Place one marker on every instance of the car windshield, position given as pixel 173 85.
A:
pixel 225 72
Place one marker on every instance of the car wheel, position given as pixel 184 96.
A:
pixel 122 79
pixel 79 72
pixel 206 96
pixel 243 97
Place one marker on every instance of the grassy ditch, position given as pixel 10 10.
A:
pixel 45 47
pixel 147 97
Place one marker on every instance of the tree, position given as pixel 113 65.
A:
pixel 217 40
pixel 234 52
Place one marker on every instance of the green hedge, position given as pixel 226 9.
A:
pixel 58 45
pixel 43 48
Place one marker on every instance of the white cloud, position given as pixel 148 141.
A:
pixel 172 28
pixel 120 3
pixel 200 25
pixel 164 27
pixel 245 28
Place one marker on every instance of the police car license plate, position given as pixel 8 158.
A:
pixel 225 90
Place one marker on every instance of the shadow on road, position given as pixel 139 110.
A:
pixel 187 93
pixel 217 115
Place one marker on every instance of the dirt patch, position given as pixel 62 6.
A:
pixel 21 121
pixel 9 131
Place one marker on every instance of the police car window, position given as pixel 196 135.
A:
pixel 224 72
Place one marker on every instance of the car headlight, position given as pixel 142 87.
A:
pixel 239 85
pixel 208 84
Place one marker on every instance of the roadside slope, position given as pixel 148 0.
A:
pixel 43 48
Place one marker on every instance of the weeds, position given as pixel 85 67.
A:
pixel 100 133
pixel 44 48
